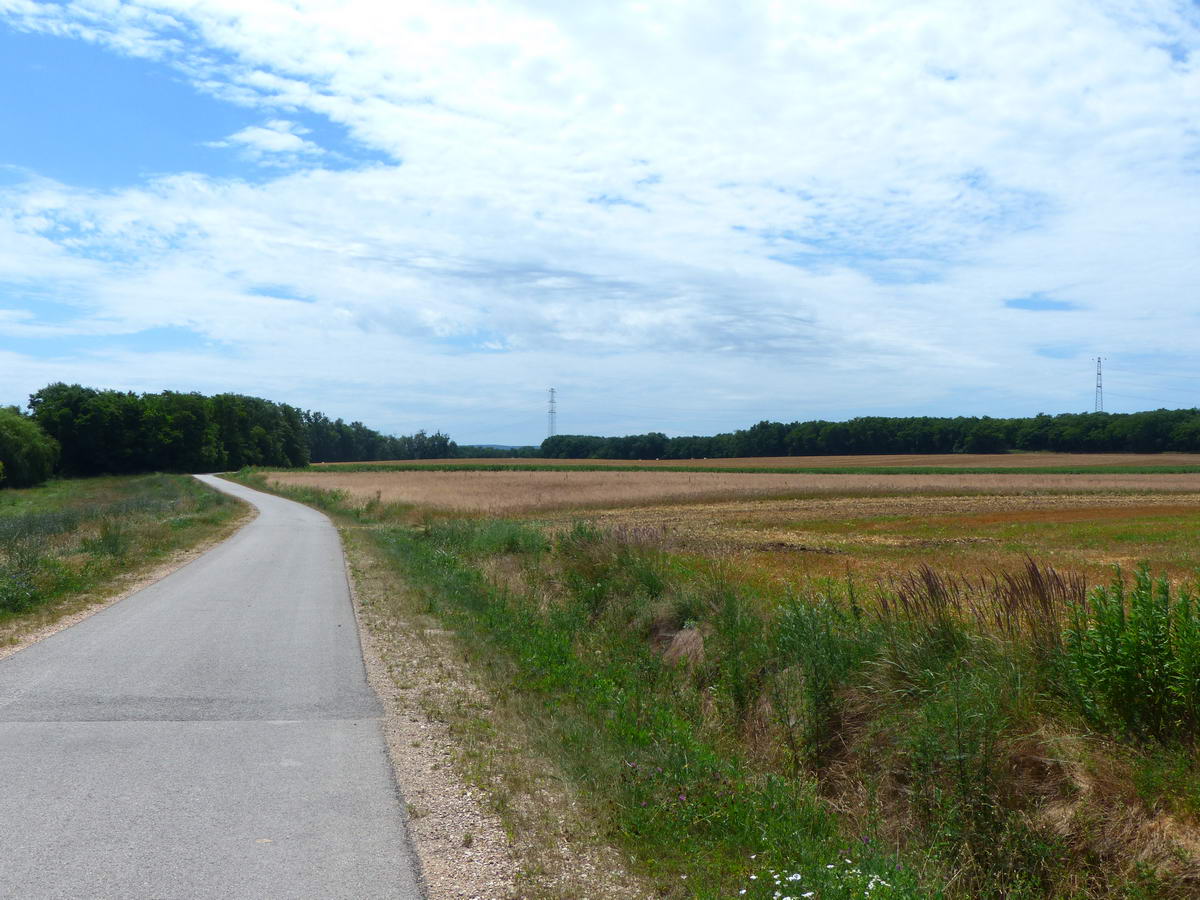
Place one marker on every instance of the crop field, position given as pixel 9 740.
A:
pixel 894 460
pixel 797 526
pixel 530 490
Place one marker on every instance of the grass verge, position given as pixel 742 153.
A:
pixel 70 543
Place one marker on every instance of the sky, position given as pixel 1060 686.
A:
pixel 684 215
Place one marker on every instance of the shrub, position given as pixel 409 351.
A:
pixel 27 454
pixel 1133 658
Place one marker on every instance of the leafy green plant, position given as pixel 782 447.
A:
pixel 819 646
pixel 1132 659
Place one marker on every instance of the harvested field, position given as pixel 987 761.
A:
pixel 951 460
pixel 508 492
pixel 816 525
pixel 878 537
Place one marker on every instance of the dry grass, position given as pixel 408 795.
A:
pixel 953 460
pixel 508 492
pixel 788 527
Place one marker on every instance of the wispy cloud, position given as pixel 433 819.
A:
pixel 278 142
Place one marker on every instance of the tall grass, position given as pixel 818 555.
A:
pixel 68 536
pixel 656 745
pixel 737 713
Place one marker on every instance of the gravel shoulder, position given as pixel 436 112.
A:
pixel 464 852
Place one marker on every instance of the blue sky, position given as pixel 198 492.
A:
pixel 684 216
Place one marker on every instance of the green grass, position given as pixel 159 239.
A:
pixel 75 536
pixel 677 796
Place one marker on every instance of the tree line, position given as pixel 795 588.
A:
pixel 76 431
pixel 1142 432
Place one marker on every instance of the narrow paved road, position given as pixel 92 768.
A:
pixel 212 736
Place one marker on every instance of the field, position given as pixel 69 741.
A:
pixel 831 524
pixel 956 460
pixel 530 490
pixel 890 685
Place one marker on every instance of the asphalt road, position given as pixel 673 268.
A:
pixel 210 736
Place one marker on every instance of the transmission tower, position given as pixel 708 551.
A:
pixel 1099 385
pixel 552 414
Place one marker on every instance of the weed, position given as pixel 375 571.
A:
pixel 826 646
pixel 1133 658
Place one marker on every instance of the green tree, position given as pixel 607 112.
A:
pixel 27 454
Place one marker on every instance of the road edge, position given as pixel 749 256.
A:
pixel 462 849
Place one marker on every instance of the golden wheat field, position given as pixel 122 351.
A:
pixel 947 460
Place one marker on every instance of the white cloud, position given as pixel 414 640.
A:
pixel 749 208
pixel 277 142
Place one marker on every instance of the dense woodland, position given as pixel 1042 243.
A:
pixel 74 430
pixel 1144 432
